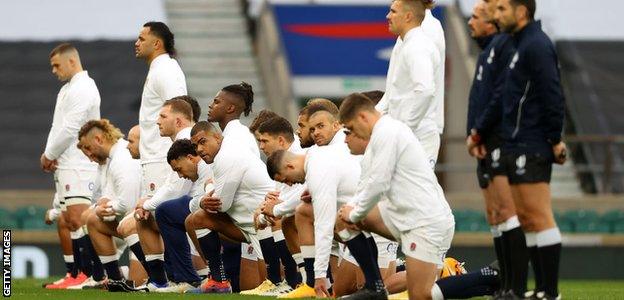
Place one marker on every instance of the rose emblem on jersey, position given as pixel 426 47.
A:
pixel 520 163
pixel 67 187
pixel 152 186
pixel 250 250
pixel 413 247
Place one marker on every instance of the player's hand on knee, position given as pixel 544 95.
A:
pixel 210 204
pixel 267 207
pixel 141 214
pixel 104 210
pixel 274 195
pixel 344 213
pixel 259 220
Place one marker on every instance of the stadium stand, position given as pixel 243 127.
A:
pixel 592 74
pixel 30 89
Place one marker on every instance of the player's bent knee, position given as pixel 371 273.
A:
pixel 93 222
pixel 74 222
pixel 188 223
pixel 304 210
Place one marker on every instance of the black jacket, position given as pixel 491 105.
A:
pixel 489 80
pixel 532 102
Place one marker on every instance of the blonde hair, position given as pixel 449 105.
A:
pixel 109 131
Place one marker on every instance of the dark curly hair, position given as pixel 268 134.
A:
pixel 244 92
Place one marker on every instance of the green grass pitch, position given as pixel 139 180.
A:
pixel 31 289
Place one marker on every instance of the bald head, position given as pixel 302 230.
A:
pixel 134 135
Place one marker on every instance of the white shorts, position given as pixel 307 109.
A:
pixel 194 251
pixel 428 243
pixel 121 246
pixel 431 144
pixel 386 251
pixel 56 202
pixel 153 177
pixel 74 187
pixel 249 251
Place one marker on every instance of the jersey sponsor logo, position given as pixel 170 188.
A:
pixel 520 163
pixel 490 59
pixel 495 158
pixel 515 59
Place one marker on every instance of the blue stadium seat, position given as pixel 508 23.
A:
pixel 30 212
pixel 7 222
pixel 36 224
pixel 593 227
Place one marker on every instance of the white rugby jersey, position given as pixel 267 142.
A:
pixel 289 194
pixel 165 80
pixel 202 185
pixel 77 102
pixel 240 133
pixel 410 95
pixel 396 166
pixel 332 176
pixel 122 179
pixel 241 181
pixel 174 186
pixel 433 29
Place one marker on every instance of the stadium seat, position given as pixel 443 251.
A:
pixel 613 216
pixel 470 221
pixel 619 227
pixel 5 212
pixel 593 227
pixel 581 219
pixel 35 224
pixel 7 222
pixel 581 215
pixel 564 224
pixel 29 212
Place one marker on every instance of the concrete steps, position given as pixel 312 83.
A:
pixel 214 48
